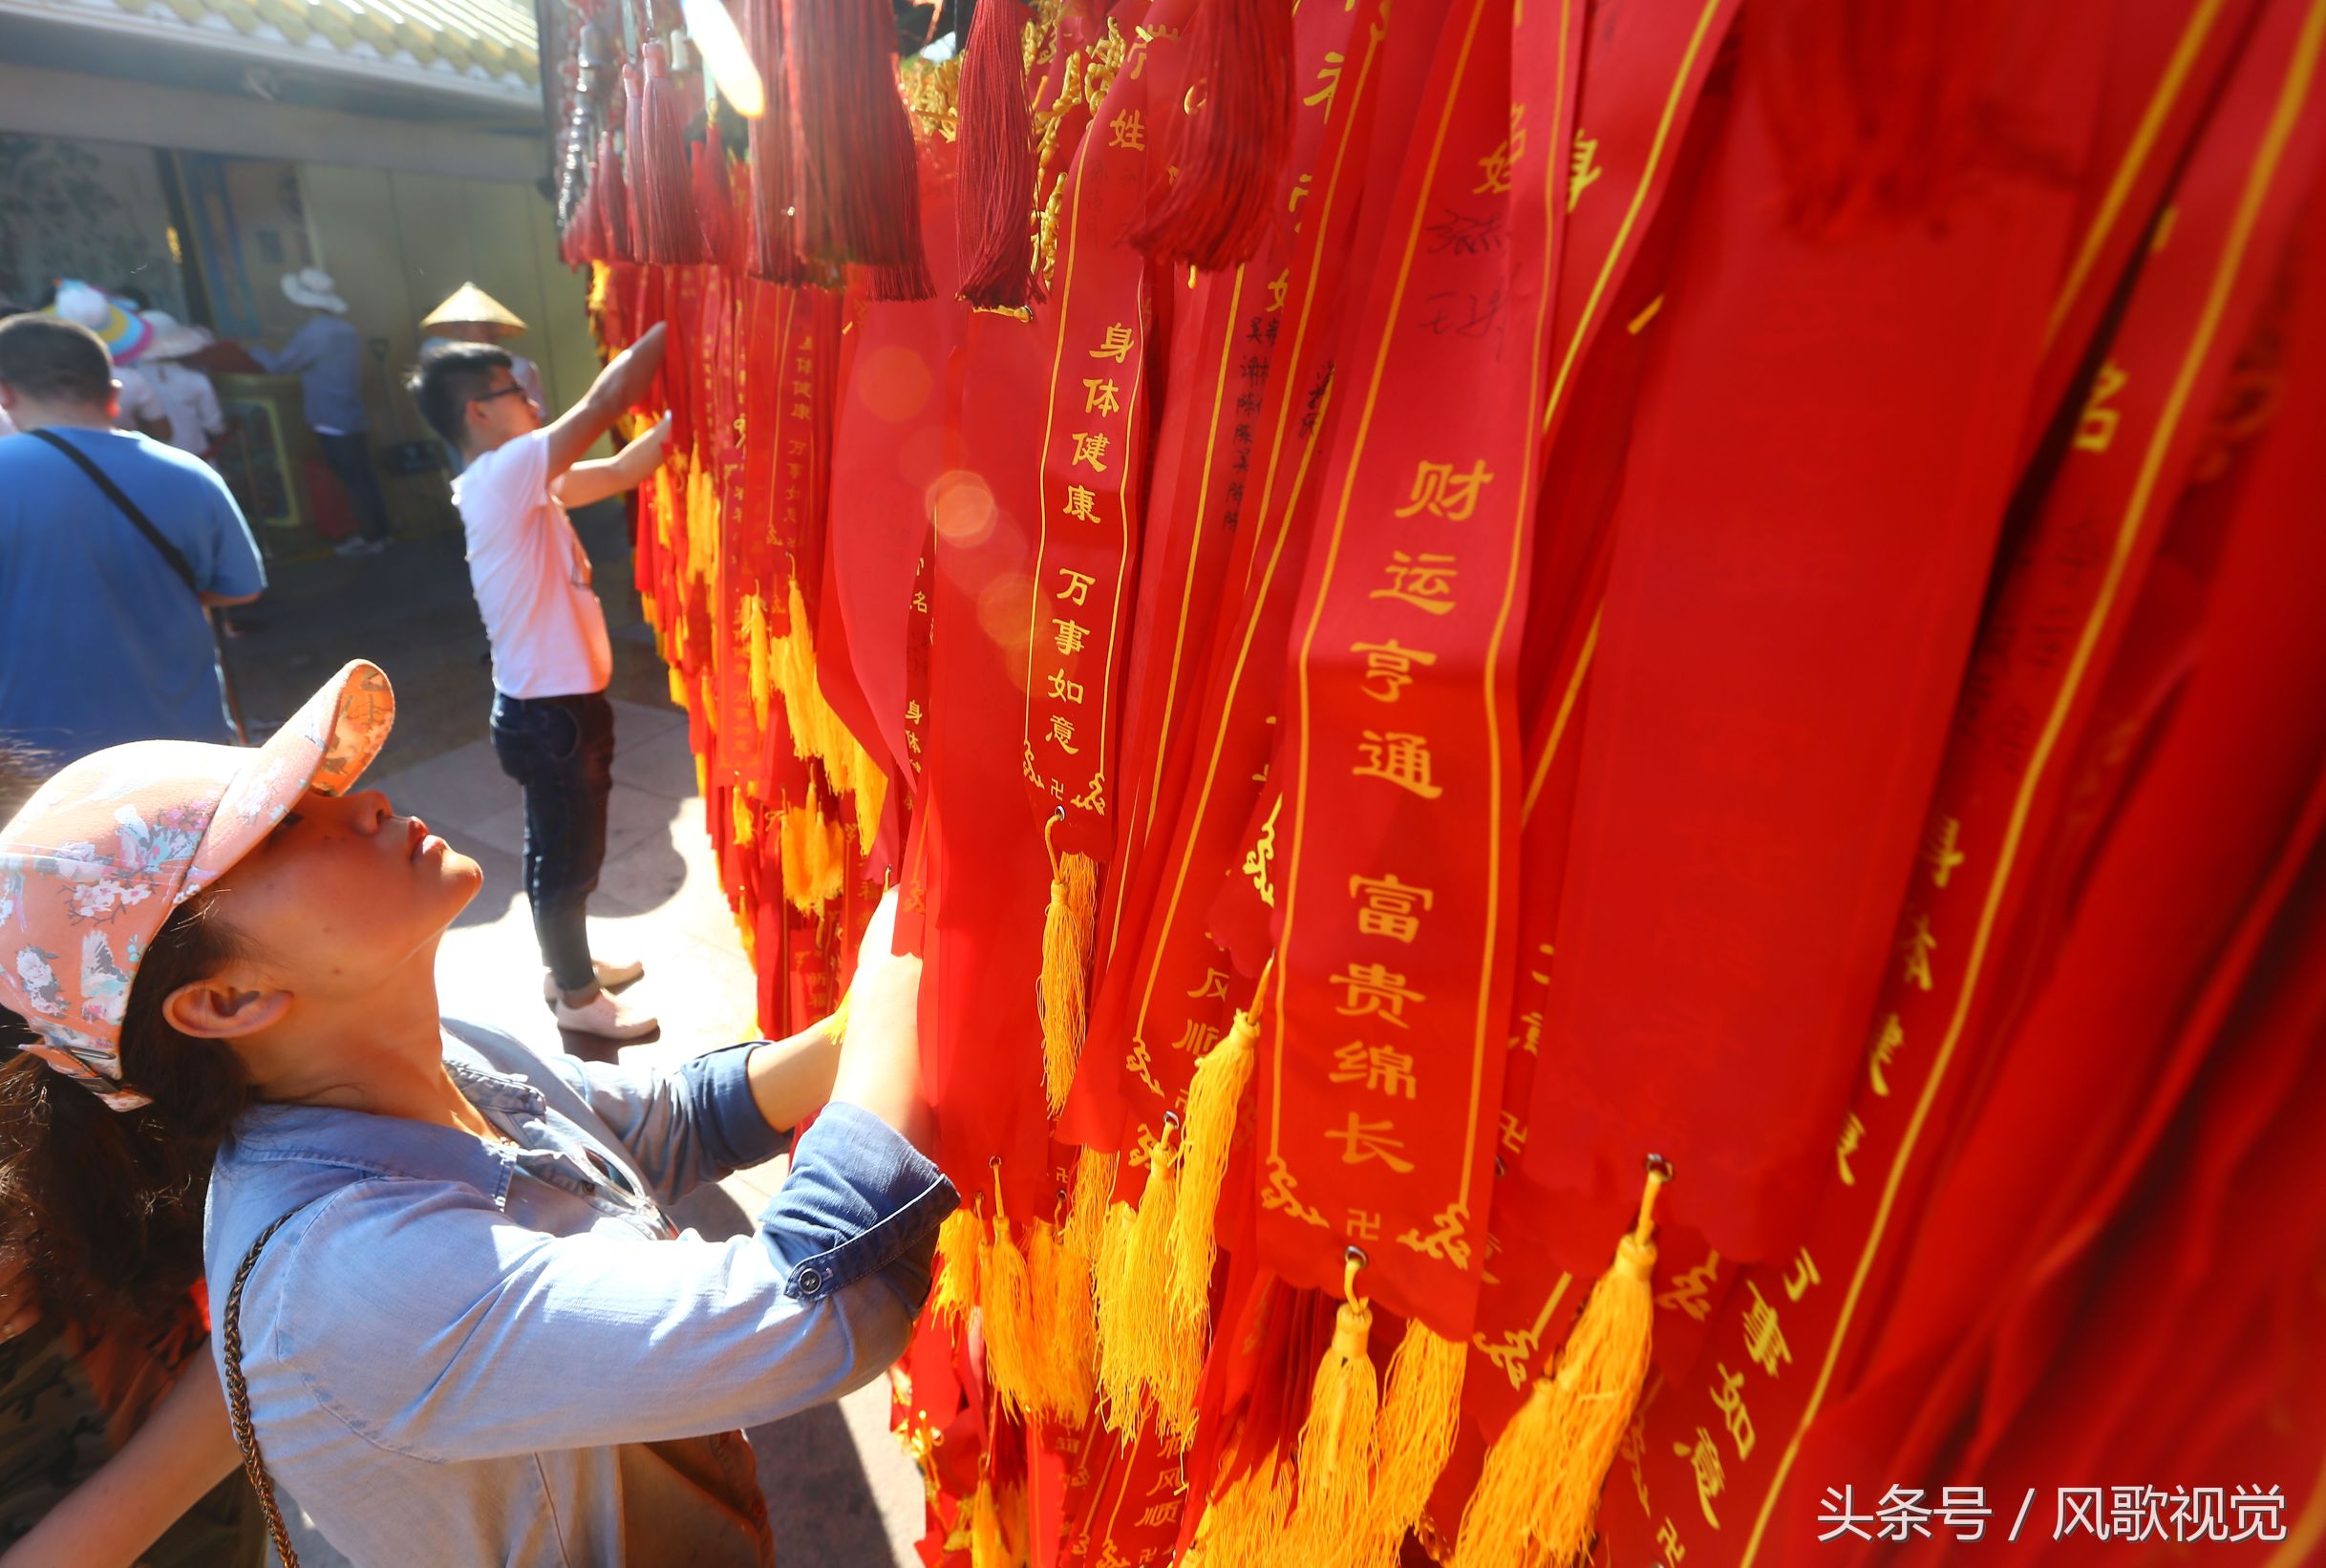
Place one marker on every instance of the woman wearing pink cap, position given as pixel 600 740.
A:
pixel 453 1317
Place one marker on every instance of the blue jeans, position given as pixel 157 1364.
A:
pixel 349 458
pixel 561 751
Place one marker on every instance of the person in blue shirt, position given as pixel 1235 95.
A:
pixel 443 1269
pixel 107 643
pixel 326 353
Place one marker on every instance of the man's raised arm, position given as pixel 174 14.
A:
pixel 621 384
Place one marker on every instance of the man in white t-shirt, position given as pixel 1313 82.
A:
pixel 553 729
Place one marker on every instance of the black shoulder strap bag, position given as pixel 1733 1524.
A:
pixel 169 552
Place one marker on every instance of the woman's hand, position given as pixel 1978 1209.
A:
pixel 880 1056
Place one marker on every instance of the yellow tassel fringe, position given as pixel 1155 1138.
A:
pixel 1420 1417
pixel 1005 1300
pixel 1340 1442
pixel 1538 1492
pixel 1073 1353
pixel 1213 1098
pixel 1067 929
pixel 959 1241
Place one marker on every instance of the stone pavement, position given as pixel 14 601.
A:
pixel 839 1492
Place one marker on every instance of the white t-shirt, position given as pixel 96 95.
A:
pixel 531 576
pixel 189 403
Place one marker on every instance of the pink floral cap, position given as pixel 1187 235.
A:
pixel 97 861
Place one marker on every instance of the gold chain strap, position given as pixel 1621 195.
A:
pixel 238 1399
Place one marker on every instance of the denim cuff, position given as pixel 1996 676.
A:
pixel 859 1199
pixel 723 1112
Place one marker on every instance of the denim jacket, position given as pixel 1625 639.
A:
pixel 461 1354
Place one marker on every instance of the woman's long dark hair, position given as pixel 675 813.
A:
pixel 106 1205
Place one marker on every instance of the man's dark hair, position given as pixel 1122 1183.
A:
pixel 448 376
pixel 55 361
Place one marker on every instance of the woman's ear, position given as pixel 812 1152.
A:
pixel 213 1009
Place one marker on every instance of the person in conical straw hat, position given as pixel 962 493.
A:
pixel 471 316
pixel 456 1318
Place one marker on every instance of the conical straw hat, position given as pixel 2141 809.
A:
pixel 469 302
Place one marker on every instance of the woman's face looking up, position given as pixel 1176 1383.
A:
pixel 341 895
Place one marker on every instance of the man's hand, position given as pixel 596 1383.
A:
pixel 622 384
pixel 880 1056
pixel 626 470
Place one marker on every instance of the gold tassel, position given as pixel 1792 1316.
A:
pixel 1121 1376
pixel 746 818
pixel 1420 1414
pixel 1066 942
pixel 1339 1442
pixel 1213 1098
pixel 1539 1490
pixel 959 1241
pixel 1071 1355
pixel 751 633
pixel 1166 1351
pixel 1005 1305
pixel 987 1547
pixel 1245 1522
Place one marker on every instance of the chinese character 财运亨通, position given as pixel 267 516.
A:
pixel 1392 664
pixel 1425 581
pixel 1443 493
pixel 1401 757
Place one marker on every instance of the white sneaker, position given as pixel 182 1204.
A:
pixel 612 977
pixel 608 1017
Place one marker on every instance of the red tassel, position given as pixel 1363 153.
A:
pixel 707 159
pixel 775 246
pixel 658 171
pixel 997 162
pixel 610 193
pixel 858 190
pixel 1231 151
pixel 642 246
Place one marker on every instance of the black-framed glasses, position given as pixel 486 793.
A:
pixel 504 391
